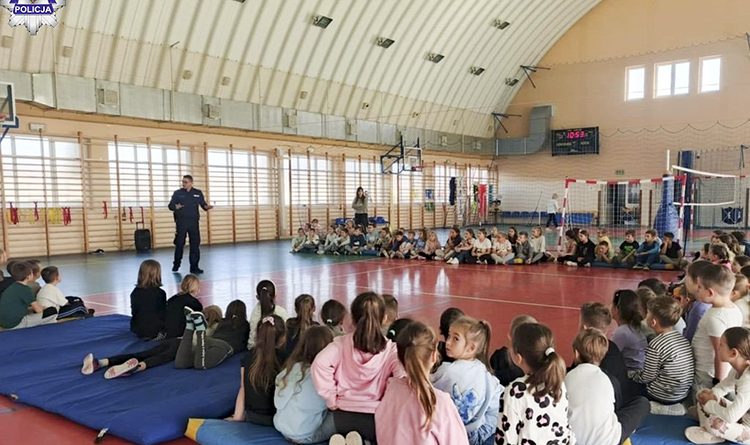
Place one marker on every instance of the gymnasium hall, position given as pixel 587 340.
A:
pixel 481 222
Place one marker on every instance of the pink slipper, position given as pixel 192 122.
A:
pixel 122 370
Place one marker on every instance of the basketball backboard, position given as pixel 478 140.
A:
pixel 7 105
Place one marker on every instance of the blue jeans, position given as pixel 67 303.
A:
pixel 648 260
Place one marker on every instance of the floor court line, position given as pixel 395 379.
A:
pixel 464 297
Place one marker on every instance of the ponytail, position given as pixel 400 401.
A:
pixel 368 313
pixel 266 292
pixel 535 344
pixel 265 365
pixel 478 332
pixel 304 305
pixel 416 345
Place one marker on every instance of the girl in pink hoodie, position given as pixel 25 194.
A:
pixel 351 373
pixel 424 415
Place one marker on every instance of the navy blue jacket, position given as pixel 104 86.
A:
pixel 190 201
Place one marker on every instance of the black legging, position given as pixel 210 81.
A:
pixel 160 354
pixel 360 219
pixel 363 423
pixel 552 218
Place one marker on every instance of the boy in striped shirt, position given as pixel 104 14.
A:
pixel 668 368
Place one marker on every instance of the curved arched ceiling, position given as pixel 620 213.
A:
pixel 269 52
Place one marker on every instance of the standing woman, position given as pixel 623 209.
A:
pixel 360 208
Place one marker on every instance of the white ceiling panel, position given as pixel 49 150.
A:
pixel 267 51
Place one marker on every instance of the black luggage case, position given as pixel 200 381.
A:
pixel 142 238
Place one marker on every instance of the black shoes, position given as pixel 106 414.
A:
pixel 175 268
pixel 196 271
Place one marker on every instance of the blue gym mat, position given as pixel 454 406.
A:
pixel 41 367
pixel 663 430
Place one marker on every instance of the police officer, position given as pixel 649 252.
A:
pixel 184 204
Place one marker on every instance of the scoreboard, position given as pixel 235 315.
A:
pixel 575 141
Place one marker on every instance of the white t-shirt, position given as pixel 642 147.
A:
pixel 51 296
pixel 485 245
pixel 744 305
pixel 591 406
pixel 713 324
pixel 552 206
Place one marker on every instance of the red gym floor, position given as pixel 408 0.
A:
pixel 549 292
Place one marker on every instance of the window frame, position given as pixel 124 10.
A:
pixel 701 61
pixel 672 78
pixel 627 83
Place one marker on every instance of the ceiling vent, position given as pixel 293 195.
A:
pixel 212 112
pixel 384 42
pixel 435 57
pixel 321 21
pixel 500 23
pixel 107 97
pixel 476 70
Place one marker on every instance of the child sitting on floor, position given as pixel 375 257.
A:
pixel 667 372
pixel 423 414
pixel 260 366
pixel 630 335
pixel 523 249
pixel 391 312
pixel 474 390
pixel 331 242
pixel 603 254
pixel 301 414
pixel 148 303
pixel 446 320
pixel 332 314
pixel 648 252
pixel 304 306
pixel 727 417
pixel 535 406
pixel 502 251
pixel 298 241
pixel 741 297
pixel 501 362
pixel 50 296
pixel 190 287
pixel 628 248
pixel 431 247
pixel 538 246
pixel 594 420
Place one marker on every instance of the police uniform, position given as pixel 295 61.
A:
pixel 186 219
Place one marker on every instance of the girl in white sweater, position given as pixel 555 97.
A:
pixel 719 417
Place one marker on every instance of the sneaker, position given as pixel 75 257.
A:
pixel 122 370
pixel 454 261
pixel 570 263
pixel 176 268
pixel 637 266
pixel 337 439
pixel 196 270
pixel 353 438
pixel 698 435
pixel 587 265
pixel 676 409
pixel 90 365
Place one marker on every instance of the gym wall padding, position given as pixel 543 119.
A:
pixel 42 369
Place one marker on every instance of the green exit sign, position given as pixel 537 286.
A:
pixel 620 172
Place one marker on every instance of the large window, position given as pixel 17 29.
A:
pixel 239 178
pixel 143 171
pixel 310 180
pixel 40 172
pixel 672 79
pixel 710 74
pixel 635 83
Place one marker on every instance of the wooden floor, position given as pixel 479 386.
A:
pixel 552 293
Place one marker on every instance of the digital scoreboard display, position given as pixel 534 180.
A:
pixel 575 141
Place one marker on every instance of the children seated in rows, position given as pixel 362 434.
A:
pixel 502 251
pixel 584 254
pixel 630 335
pixel 18 305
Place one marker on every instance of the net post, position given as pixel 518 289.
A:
pixel 681 218
pixel 561 227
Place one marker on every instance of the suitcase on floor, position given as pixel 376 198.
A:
pixel 142 238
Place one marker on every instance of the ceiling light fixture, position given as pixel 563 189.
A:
pixel 384 42
pixel 500 23
pixel 321 21
pixel 435 57
pixel 510 81
pixel 225 80
pixel 365 105
pixel 476 70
